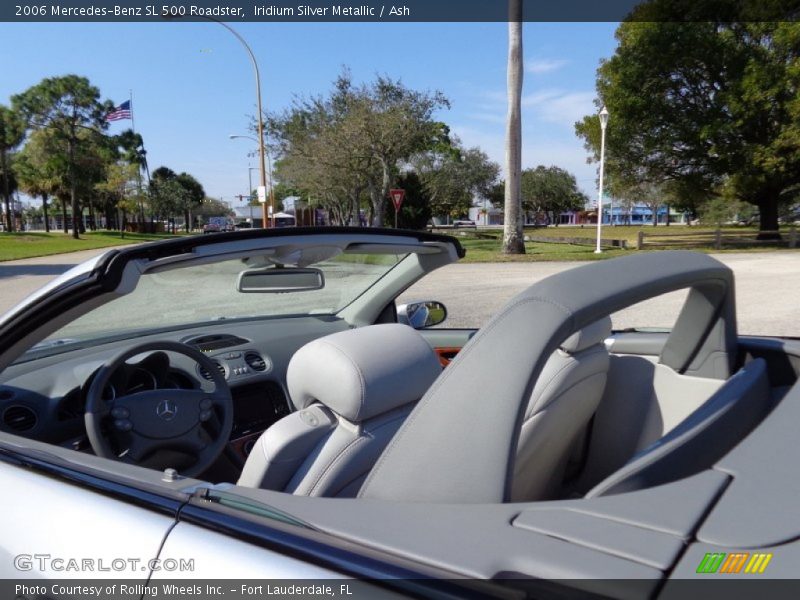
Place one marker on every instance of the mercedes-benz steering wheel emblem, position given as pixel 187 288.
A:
pixel 166 410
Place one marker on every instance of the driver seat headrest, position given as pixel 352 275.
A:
pixel 365 372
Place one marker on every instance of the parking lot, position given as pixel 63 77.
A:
pixel 767 288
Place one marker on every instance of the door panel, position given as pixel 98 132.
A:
pixel 447 342
pixel 46 523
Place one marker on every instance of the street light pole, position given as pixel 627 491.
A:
pixel 261 147
pixel 263 179
pixel 603 123
pixel 262 162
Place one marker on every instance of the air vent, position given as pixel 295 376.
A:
pixel 255 361
pixel 19 418
pixel 206 375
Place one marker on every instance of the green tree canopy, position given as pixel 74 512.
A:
pixel 12 132
pixel 701 105
pixel 70 108
pixel 550 190
pixel 454 176
pixel 339 147
pixel 39 171
pixel 415 211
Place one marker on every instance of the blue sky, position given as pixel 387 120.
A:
pixel 193 84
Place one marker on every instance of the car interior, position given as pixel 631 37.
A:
pixel 544 408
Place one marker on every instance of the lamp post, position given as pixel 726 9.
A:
pixel 261 148
pixel 603 122
pixel 263 177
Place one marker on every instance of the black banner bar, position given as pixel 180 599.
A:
pixel 381 11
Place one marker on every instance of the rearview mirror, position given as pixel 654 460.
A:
pixel 274 280
pixel 421 314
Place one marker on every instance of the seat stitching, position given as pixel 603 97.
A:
pixel 333 462
pixel 556 374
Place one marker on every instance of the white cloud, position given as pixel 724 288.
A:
pixel 538 66
pixel 557 106
pixel 552 105
pixel 566 153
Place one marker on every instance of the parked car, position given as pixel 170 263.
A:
pixel 249 404
pixel 463 223
pixel 218 224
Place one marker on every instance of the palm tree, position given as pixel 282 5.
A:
pixel 513 242
pixel 12 132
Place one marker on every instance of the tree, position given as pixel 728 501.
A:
pixel 38 172
pixel 193 197
pixel 453 176
pixel 513 242
pixel 415 211
pixel 212 207
pixel 121 185
pixel 70 108
pixel 702 104
pixel 131 147
pixel 12 132
pixel 721 210
pixel 651 194
pixel 9 185
pixel 352 143
pixel 550 190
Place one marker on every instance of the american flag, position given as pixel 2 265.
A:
pixel 123 111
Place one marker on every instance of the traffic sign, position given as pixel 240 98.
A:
pixel 397 195
pixel 262 194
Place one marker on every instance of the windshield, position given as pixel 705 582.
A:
pixel 198 294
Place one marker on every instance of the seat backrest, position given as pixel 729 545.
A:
pixel 701 439
pixel 352 391
pixel 564 398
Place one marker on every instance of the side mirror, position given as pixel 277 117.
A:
pixel 421 314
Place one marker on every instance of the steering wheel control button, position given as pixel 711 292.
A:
pixel 205 415
pixel 205 403
pixel 120 412
pixel 123 424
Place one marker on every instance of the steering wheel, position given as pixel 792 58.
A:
pixel 192 421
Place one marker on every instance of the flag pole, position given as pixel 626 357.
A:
pixel 139 168
pixel 133 128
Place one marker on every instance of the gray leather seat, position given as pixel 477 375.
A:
pixel 352 391
pixel 562 403
pixel 701 439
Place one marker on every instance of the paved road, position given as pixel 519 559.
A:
pixel 767 292
pixel 18 278
pixel 767 288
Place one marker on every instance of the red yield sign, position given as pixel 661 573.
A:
pixel 397 195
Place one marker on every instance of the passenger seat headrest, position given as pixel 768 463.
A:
pixel 364 372
pixel 589 336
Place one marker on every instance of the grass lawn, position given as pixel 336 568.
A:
pixel 483 251
pixel 14 246
pixel 484 245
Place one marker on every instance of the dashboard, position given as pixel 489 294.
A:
pixel 44 398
